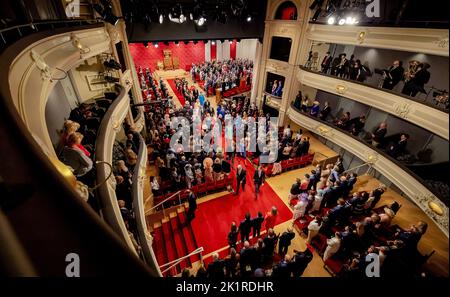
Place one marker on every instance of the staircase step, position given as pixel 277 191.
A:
pixel 171 248
pixel 179 242
pixel 189 237
pixel 159 246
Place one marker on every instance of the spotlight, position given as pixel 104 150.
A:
pixel 349 20
pixel 155 44
pixel 161 18
pixel 249 18
pixel 341 22
pixel 177 43
pixel 213 42
pixel 331 21
pixel 200 22
pixel 112 64
pixel 230 41
pixel 146 44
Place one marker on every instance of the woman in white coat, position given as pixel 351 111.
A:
pixel 300 208
pixel 314 228
pixel 333 246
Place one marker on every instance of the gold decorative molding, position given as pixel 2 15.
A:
pixel 443 42
pixel 402 109
pixel 323 130
pixel 434 208
pixel 341 89
pixel 113 33
pixel 371 157
pixel 361 36
pixel 115 123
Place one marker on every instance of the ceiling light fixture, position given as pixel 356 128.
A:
pixel 331 21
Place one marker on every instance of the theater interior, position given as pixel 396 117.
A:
pixel 317 138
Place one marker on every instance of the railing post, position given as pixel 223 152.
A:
pixel 164 212
pixel 179 198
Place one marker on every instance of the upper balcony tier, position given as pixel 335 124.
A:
pixel 407 108
pixel 427 41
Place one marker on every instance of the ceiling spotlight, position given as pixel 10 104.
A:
pixel 200 22
pixel 105 11
pixel 331 21
pixel 231 41
pixel 316 14
pixel 249 18
pixel 155 45
pixel 177 43
pixel 341 22
pixel 161 18
pixel 213 42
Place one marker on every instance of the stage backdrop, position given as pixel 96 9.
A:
pixel 193 53
pixel 186 53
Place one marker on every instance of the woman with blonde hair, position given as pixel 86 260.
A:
pixel 75 157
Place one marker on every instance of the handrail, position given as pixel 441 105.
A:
pixel 32 24
pixel 167 199
pixel 357 167
pixel 177 261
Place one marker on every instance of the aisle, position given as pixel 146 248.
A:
pixel 213 218
pixel 173 86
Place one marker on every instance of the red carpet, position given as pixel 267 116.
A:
pixel 173 86
pixel 213 218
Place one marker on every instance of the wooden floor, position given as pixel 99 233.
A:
pixel 409 213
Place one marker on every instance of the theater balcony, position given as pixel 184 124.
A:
pixel 408 183
pixel 47 216
pixel 407 108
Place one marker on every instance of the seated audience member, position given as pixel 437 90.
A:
pixel 333 246
pixel 76 158
pixel 356 125
pixel 123 190
pixel 216 267
pixel 352 269
pixel 343 121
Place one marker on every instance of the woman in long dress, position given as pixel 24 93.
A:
pixel 300 208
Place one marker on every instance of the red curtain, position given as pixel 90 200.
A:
pixel 186 53
pixel 233 50
pixel 213 51
pixel 288 12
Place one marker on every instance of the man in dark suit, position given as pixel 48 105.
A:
pixel 216 267
pixel 247 259
pixel 398 148
pixel 325 65
pixel 377 137
pixel 192 200
pixel 245 227
pixel 256 224
pixel 393 75
pixel 301 261
pixel 259 178
pixel 285 241
pixel 240 178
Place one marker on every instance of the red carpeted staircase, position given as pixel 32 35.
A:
pixel 173 239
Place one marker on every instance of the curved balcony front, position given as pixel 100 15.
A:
pixel 422 115
pixel 410 184
pixel 427 41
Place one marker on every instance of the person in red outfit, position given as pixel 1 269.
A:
pixel 271 218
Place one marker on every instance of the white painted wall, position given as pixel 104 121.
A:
pixel 208 51
pixel 219 53
pixel 246 49
pixel 225 50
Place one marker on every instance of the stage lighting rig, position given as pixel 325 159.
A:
pixel 104 9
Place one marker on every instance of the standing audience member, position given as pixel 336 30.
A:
pixel 333 246
pixel 232 237
pixel 245 228
pixel 285 241
pixel 257 223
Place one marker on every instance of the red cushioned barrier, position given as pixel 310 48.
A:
pixel 179 242
pixel 334 265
